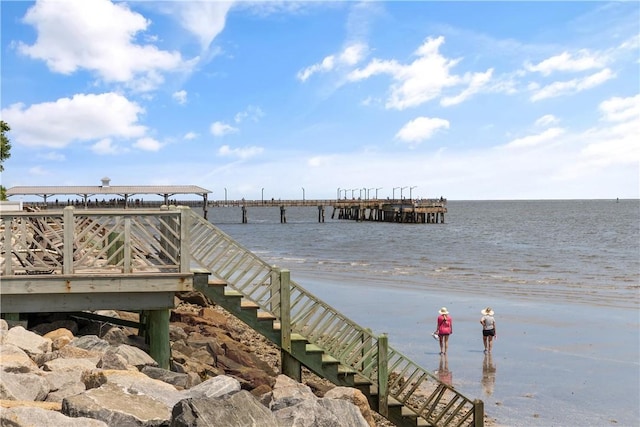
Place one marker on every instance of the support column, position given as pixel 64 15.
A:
pixel 244 215
pixel 383 375
pixel 290 366
pixel 283 215
pixel 158 335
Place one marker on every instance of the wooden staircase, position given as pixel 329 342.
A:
pixel 313 334
pixel 310 355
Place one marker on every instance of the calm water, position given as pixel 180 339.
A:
pixel 562 276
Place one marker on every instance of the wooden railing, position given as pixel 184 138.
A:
pixel 394 374
pixel 73 241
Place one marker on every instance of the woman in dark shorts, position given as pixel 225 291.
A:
pixel 488 328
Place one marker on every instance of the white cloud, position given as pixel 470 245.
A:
pixel 180 97
pixel 546 120
pixel 147 144
pixel 420 81
pixel 545 136
pixel 204 19
pixel 619 109
pixel 104 146
pixel 353 54
pixel 190 136
pixel 252 113
pixel 420 129
pixel 583 60
pixel 350 56
pixel 241 153
pixel 98 36
pixel 85 117
pixel 221 129
pixel 572 86
pixel 475 81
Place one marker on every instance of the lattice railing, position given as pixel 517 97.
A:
pixel 71 241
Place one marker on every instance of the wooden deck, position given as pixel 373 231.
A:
pixel 77 260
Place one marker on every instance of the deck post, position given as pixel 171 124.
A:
pixel 244 215
pixel 383 375
pixel 185 238
pixel 478 413
pixel 158 333
pixel 283 215
pixel 290 366
pixel 7 238
pixel 68 240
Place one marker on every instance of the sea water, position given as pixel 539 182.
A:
pixel 562 276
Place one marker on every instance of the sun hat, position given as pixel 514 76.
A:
pixel 487 311
pixel 443 310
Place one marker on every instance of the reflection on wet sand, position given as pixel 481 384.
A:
pixel 444 374
pixel 488 374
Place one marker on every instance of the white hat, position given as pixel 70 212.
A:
pixel 443 310
pixel 487 311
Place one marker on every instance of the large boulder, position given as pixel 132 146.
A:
pixel 238 409
pixel 30 342
pixel 16 360
pixel 356 397
pixel 36 417
pixel 27 386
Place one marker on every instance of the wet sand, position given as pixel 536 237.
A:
pixel 554 362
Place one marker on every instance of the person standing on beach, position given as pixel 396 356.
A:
pixel 445 328
pixel 488 328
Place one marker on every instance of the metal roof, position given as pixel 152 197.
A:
pixel 121 190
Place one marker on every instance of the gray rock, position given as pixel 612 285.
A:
pixel 23 387
pixel 69 363
pixel 239 409
pixel 134 356
pixel 288 392
pixel 176 379
pixel 176 333
pixel 111 360
pixel 91 343
pixel 321 413
pixel 14 359
pixel 213 387
pixel 38 417
pixel 356 397
pixel 118 406
pixel 66 390
pixel 28 341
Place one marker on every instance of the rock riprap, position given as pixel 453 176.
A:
pixel 69 372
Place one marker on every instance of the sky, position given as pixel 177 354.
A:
pixel 289 100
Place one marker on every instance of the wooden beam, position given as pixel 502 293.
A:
pixel 47 303
pixel 86 283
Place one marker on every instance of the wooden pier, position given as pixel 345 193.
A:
pixel 402 211
pixel 415 211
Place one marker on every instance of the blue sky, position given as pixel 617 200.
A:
pixel 466 100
